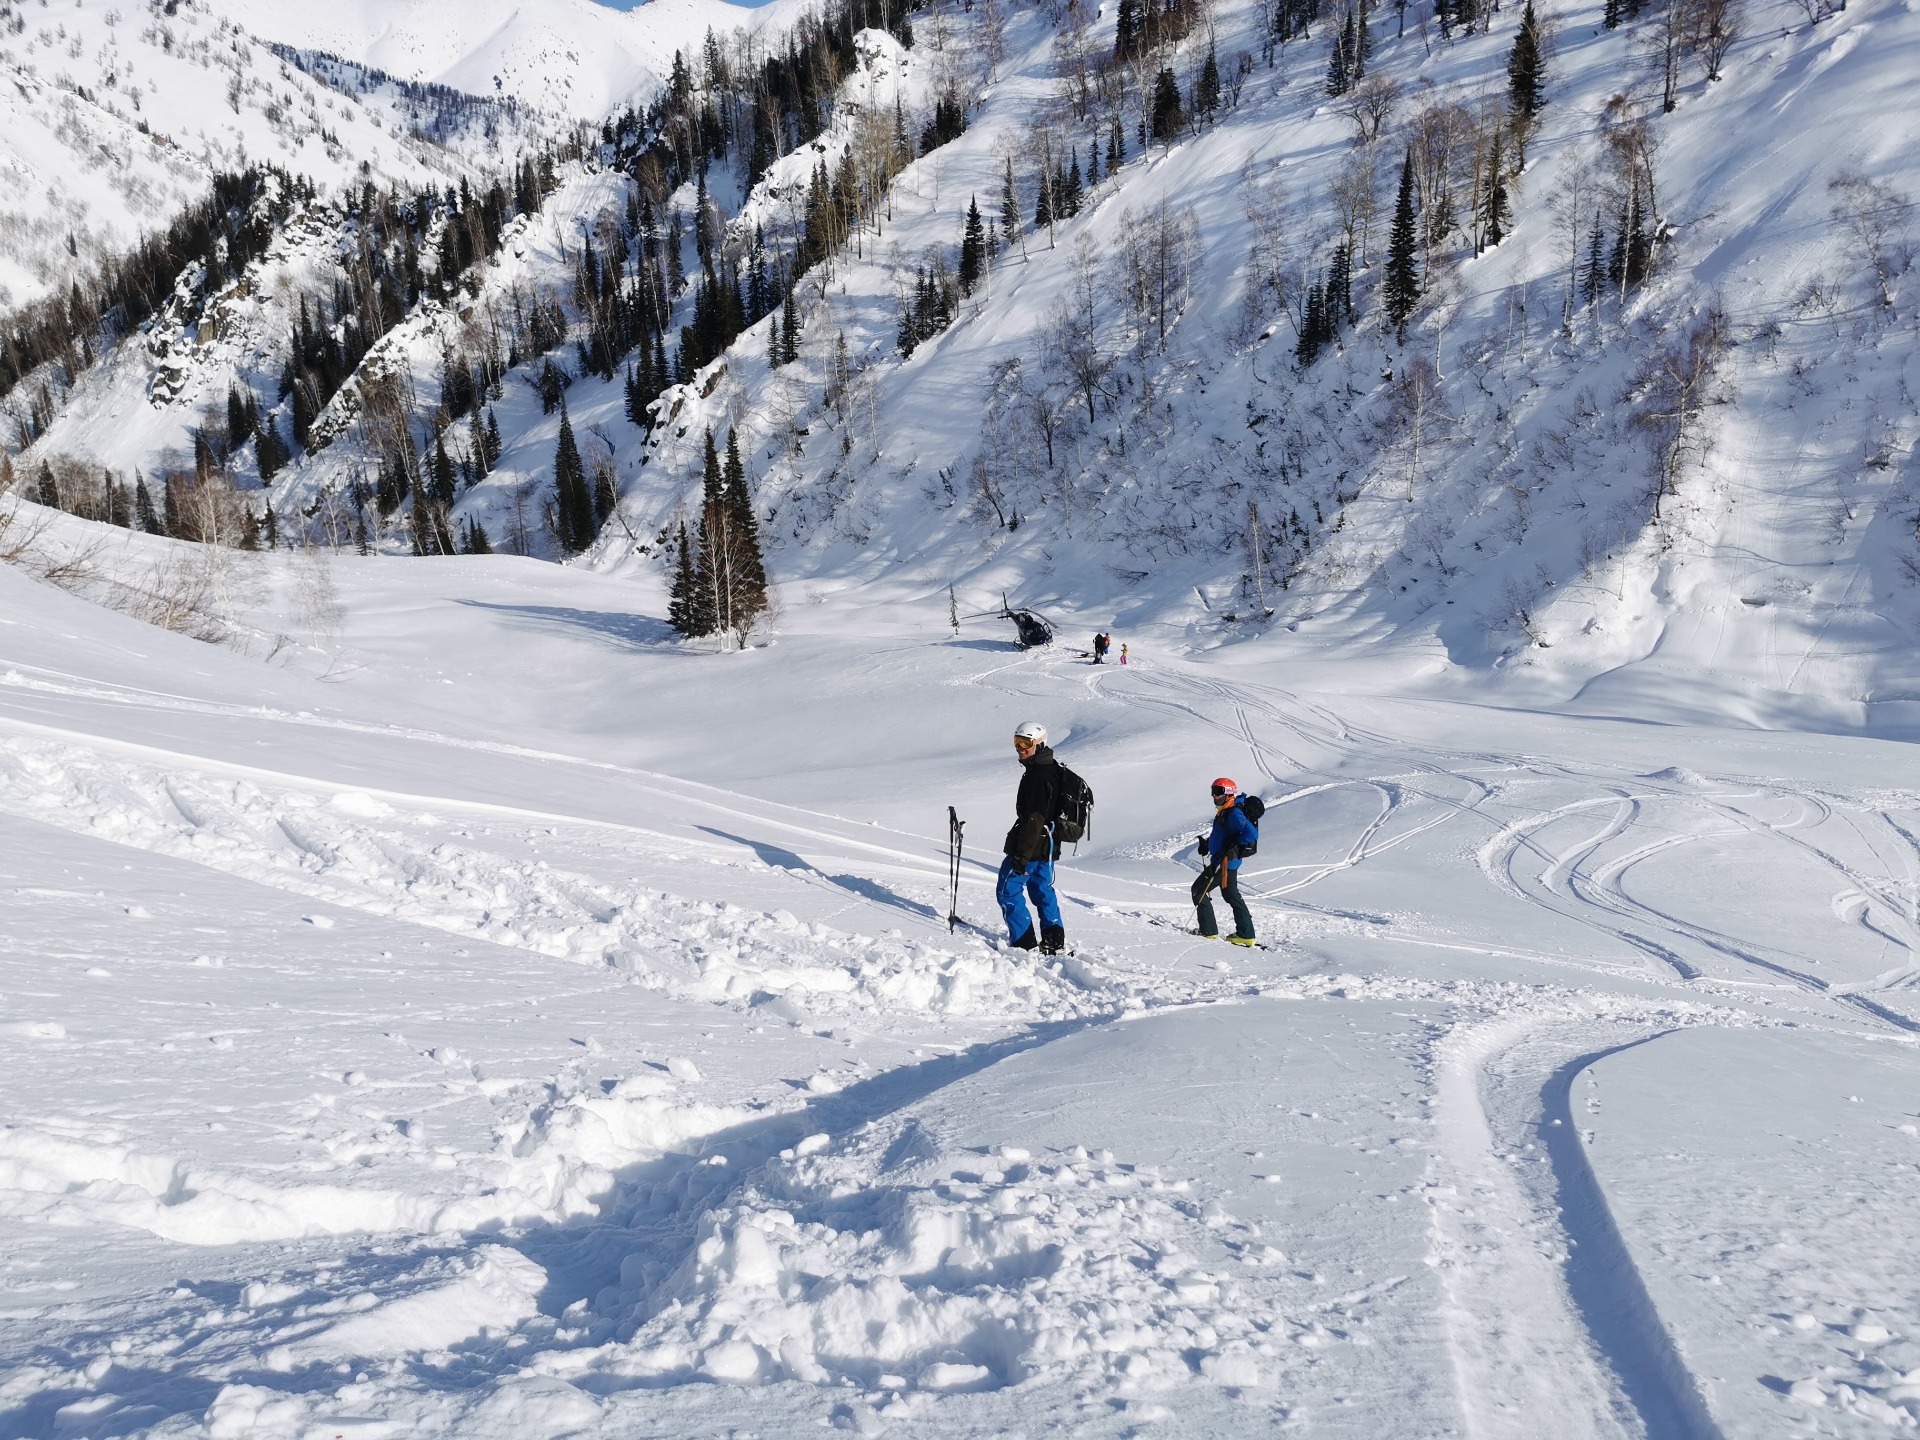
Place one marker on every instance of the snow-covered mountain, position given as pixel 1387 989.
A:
pixel 573 57
pixel 438 999
pixel 113 119
pixel 1593 483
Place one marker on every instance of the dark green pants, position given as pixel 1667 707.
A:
pixel 1229 883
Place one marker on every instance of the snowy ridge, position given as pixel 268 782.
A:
pixel 114 119
pixel 570 56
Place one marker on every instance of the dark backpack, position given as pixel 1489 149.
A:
pixel 1074 815
pixel 1253 807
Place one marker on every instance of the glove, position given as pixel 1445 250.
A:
pixel 1200 845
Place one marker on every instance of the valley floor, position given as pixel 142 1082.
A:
pixel 520 1026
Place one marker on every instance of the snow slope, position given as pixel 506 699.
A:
pixel 112 121
pixel 486 1016
pixel 573 57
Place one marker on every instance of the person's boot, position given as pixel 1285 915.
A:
pixel 1053 939
pixel 1022 941
pixel 1246 940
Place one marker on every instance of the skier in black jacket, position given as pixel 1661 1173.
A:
pixel 1032 846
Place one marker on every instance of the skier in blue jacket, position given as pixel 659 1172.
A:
pixel 1220 853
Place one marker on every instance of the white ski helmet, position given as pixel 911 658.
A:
pixel 1032 730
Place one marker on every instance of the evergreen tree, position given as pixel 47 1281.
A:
pixel 1339 288
pixel 1495 216
pixel 1116 146
pixel 789 330
pixel 748 600
pixel 605 498
pixel 475 539
pixel 442 470
pixel 143 511
pixel 1206 90
pixel 242 417
pixel 1168 118
pixel 1009 207
pixel 493 438
pixel 1595 280
pixel 1401 287
pixel 271 452
pixel 683 605
pixel 573 504
pixel 482 461
pixel 973 248
pixel 1340 75
pixel 45 491
pixel 712 572
pixel 170 517
pixel 776 350
pixel 1313 326
pixel 1524 69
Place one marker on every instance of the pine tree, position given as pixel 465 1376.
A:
pixel 1206 90
pixel 1524 69
pixel 1116 145
pixel 1009 207
pixel 605 498
pixel 493 438
pixel 712 572
pixel 271 453
pixel 573 504
pixel 683 607
pixel 1495 216
pixel 482 461
pixel 1168 118
pixel 789 330
pixel 1340 61
pixel 45 491
pixel 1313 325
pixel 1401 287
pixel 748 600
pixel 1595 280
pixel 143 511
pixel 476 541
pixel 973 248
pixel 442 470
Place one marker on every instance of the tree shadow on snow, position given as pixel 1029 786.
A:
pixel 640 632
pixel 779 858
pixel 616 1262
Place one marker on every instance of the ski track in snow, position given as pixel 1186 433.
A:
pixel 1546 1321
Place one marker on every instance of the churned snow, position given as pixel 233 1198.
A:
pixel 534 1027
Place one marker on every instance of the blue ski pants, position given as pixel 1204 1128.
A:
pixel 1020 879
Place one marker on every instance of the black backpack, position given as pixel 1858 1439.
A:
pixel 1073 817
pixel 1253 807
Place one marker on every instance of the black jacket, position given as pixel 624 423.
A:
pixel 1034 808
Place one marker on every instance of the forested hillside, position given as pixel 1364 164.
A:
pixel 1563 336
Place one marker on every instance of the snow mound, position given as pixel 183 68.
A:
pixel 325 845
pixel 888 1265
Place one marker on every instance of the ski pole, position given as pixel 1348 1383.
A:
pixel 955 840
